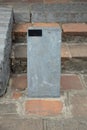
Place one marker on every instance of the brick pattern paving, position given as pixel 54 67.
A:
pixel 43 107
pixel 47 114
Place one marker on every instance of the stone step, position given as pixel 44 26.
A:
pixel 74 32
pixel 71 32
pixel 5 47
pixel 73 58
pixel 61 12
pixel 67 51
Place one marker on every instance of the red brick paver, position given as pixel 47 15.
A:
pixel 78 50
pixel 43 107
pixel 69 82
pixel 22 28
pixel 75 28
pixel 19 82
pixel 16 95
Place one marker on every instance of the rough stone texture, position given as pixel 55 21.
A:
pixel 79 104
pixel 75 65
pixel 18 66
pixel 74 32
pixel 53 124
pixel 5 46
pixel 49 11
pixel 21 12
pixel 7 108
pixel 70 12
pixel 11 123
pixel 20 124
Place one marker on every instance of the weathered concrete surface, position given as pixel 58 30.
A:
pixel 66 12
pixel 5 46
pixel 43 61
pixel 73 11
pixel 21 12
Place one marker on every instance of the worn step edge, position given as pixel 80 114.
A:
pixel 68 28
pixel 19 50
pixel 77 29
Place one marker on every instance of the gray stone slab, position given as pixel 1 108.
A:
pixel 5 48
pixel 70 12
pixel 7 123
pixel 4 8
pixel 66 17
pixel 67 124
pixel 53 124
pixel 69 7
pixel 64 7
pixel 44 63
pixel 58 17
pixel 7 19
pixel 37 7
pixel 39 16
pixel 7 108
pixel 21 17
pixel 21 13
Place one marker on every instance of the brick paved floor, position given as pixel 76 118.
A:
pixel 19 112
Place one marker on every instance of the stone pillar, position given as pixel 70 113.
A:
pixel 44 60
